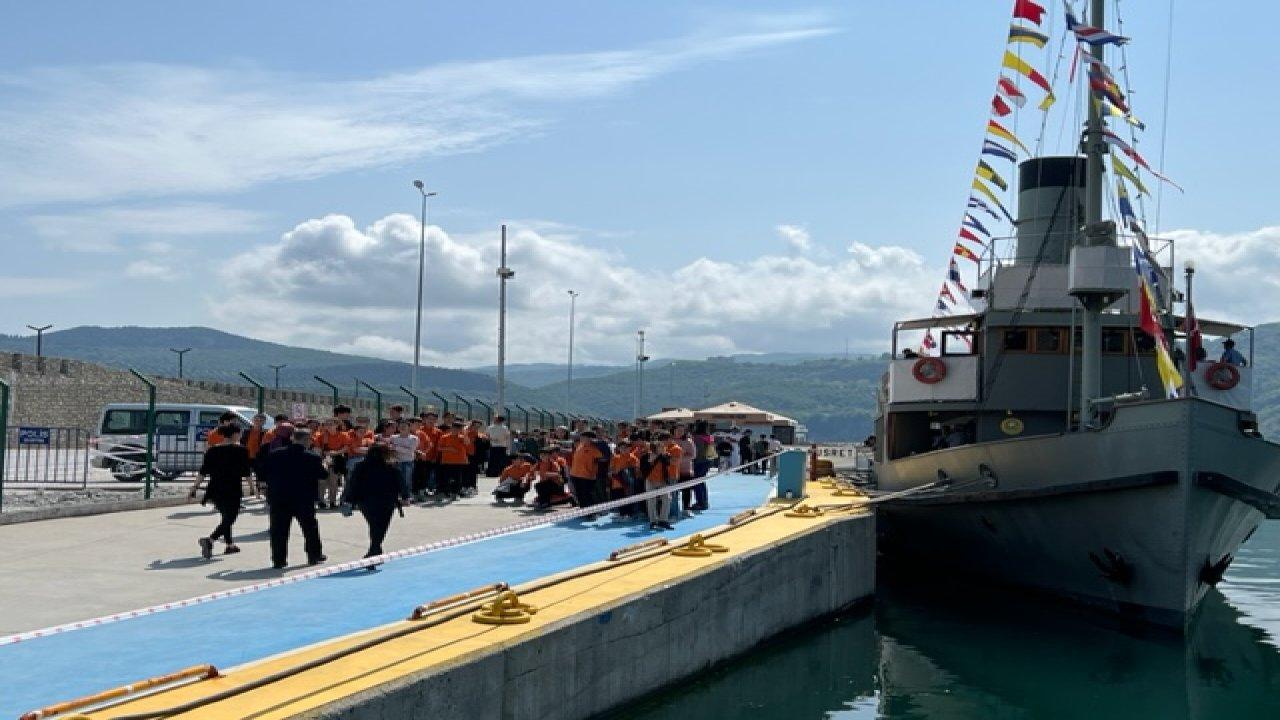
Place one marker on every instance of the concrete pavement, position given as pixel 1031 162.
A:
pixel 64 570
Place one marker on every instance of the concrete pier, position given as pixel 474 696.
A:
pixel 605 633
pixel 605 656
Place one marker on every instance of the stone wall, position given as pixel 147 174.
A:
pixel 70 393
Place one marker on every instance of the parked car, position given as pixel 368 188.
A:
pixel 181 432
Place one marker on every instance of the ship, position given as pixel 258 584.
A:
pixel 1039 437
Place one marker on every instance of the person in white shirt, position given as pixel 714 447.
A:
pixel 405 445
pixel 499 447
pixel 735 456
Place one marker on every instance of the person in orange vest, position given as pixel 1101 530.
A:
pixel 225 420
pixel 621 476
pixel 588 468
pixel 360 439
pixel 549 477
pixel 253 440
pixel 655 467
pixel 420 473
pixel 430 427
pixel 516 479
pixel 333 443
pixel 454 458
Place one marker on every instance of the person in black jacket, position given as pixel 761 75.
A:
pixel 226 465
pixel 292 474
pixel 374 487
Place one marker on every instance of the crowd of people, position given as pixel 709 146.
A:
pixel 348 463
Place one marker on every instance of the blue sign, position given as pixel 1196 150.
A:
pixel 34 435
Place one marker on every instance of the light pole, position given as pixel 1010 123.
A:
pixel 504 274
pixel 180 353
pixel 641 358
pixel 39 338
pixel 422 265
pixel 671 384
pixel 277 368
pixel 568 386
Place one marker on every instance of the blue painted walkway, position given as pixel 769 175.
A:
pixel 236 630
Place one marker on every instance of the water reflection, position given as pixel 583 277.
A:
pixel 918 655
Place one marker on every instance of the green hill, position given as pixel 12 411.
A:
pixel 218 355
pixel 833 397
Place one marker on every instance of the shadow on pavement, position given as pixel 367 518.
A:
pixel 179 563
pixel 240 575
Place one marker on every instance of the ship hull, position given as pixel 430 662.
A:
pixel 1117 519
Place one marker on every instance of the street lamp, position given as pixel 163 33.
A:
pixel 180 353
pixel 568 387
pixel 422 265
pixel 504 274
pixel 39 338
pixel 277 368
pixel 641 359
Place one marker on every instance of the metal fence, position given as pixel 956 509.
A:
pixel 46 455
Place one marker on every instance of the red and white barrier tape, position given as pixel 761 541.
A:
pixel 366 562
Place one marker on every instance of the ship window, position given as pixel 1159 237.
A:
pixel 958 342
pixel 1144 343
pixel 1049 340
pixel 1113 341
pixel 1016 340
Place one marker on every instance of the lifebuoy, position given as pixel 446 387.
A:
pixel 929 370
pixel 1222 376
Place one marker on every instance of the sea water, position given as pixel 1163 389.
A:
pixel 918 654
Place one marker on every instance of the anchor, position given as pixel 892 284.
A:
pixel 1114 568
pixel 1211 573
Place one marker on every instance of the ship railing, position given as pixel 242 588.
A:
pixel 1002 251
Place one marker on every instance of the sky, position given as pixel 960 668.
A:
pixel 730 176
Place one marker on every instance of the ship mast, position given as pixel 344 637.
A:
pixel 1095 146
pixel 1093 297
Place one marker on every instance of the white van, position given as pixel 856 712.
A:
pixel 181 431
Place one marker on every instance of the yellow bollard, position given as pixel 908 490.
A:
pixel 506 609
pixel 804 511
pixel 698 547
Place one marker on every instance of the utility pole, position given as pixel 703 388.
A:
pixel 671 384
pixel 180 353
pixel 39 338
pixel 641 358
pixel 422 265
pixel 277 368
pixel 504 274
pixel 568 386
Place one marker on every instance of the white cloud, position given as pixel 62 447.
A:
pixel 148 270
pixel 351 289
pixel 106 132
pixel 102 229
pixel 1237 274
pixel 24 287
pixel 796 237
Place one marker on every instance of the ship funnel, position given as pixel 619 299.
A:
pixel 1050 208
